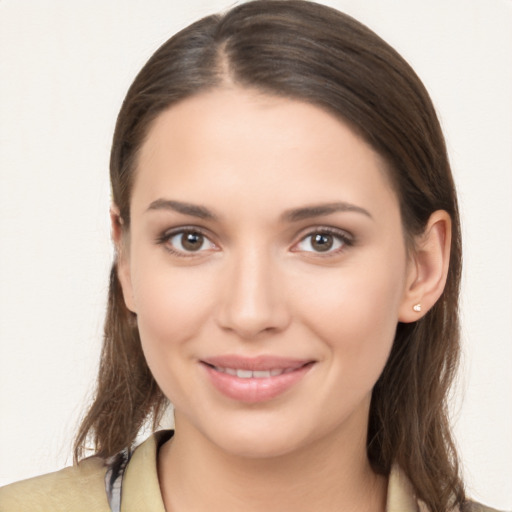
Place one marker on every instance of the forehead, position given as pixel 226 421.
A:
pixel 243 142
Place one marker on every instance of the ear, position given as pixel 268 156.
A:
pixel 121 244
pixel 428 268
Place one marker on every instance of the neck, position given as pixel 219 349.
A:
pixel 331 474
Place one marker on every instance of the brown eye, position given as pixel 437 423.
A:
pixel 322 242
pixel 192 241
pixel 186 242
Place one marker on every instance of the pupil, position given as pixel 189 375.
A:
pixel 192 241
pixel 322 242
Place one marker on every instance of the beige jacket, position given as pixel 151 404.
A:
pixel 82 488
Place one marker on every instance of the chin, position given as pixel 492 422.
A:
pixel 264 444
pixel 249 434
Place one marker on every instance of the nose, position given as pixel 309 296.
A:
pixel 253 300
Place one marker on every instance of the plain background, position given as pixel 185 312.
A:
pixel 65 67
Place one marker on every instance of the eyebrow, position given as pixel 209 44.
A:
pixel 298 214
pixel 180 207
pixel 294 215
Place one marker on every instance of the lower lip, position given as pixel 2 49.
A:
pixel 255 390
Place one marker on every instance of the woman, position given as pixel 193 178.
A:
pixel 287 272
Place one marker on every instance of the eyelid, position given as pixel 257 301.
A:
pixel 166 236
pixel 346 238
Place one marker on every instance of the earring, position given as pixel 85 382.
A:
pixel 417 308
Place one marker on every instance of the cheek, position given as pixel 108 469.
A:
pixel 356 320
pixel 172 311
pixel 172 305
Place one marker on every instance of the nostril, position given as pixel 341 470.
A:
pixel 251 302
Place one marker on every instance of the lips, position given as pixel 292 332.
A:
pixel 256 374
pixel 256 379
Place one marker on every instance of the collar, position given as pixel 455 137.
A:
pixel 400 493
pixel 141 489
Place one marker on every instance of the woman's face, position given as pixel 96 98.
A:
pixel 267 268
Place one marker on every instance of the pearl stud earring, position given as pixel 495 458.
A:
pixel 417 308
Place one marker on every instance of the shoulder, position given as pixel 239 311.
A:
pixel 401 497
pixel 78 488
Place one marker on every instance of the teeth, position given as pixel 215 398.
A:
pixel 257 374
pixel 244 374
pixel 261 374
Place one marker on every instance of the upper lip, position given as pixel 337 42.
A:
pixel 259 363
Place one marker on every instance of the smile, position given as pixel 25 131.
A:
pixel 256 374
pixel 253 380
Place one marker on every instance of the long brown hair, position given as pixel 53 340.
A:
pixel 313 53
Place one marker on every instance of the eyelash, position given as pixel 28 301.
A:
pixel 165 238
pixel 343 238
